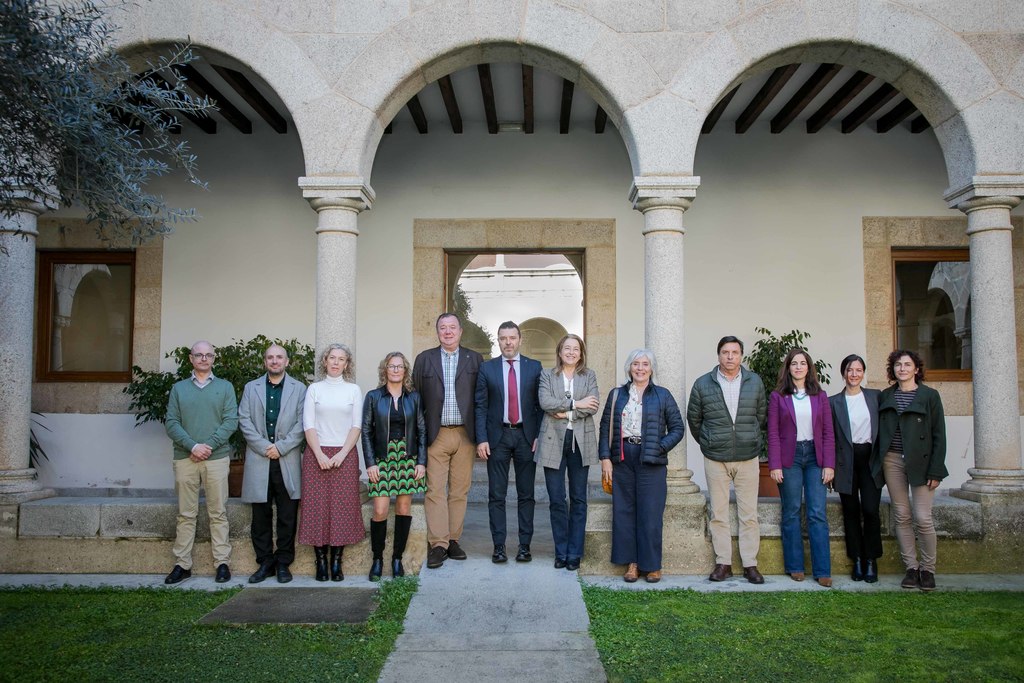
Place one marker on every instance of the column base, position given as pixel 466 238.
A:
pixel 985 481
pixel 20 486
pixel 679 484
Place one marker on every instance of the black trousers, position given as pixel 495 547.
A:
pixel 263 520
pixel 861 521
pixel 512 449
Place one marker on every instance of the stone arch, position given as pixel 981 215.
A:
pixel 923 59
pixel 540 335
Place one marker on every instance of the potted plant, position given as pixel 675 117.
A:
pixel 765 358
pixel 238 363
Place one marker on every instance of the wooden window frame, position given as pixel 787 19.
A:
pixel 44 323
pixel 912 255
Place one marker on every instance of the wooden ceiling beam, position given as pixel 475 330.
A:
pixel 901 111
pixel 838 101
pixel 203 122
pixel 202 87
pixel 487 91
pixel 253 98
pixel 527 98
pixel 716 113
pixel 568 87
pixel 450 103
pixel 764 96
pixel 868 107
pixel 600 120
pixel 919 125
pixel 418 117
pixel 803 97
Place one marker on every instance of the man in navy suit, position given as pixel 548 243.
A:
pixel 507 422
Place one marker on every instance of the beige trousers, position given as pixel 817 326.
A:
pixel 211 475
pixel 449 475
pixel 911 518
pixel 744 476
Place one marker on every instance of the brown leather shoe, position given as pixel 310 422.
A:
pixel 752 575
pixel 824 581
pixel 796 576
pixel 721 572
pixel 632 573
pixel 654 577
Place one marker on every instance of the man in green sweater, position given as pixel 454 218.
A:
pixel 202 414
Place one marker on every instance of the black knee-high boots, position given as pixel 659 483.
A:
pixel 402 525
pixel 378 537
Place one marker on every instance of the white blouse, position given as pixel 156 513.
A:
pixel 804 418
pixel 333 407
pixel 567 384
pixel 860 419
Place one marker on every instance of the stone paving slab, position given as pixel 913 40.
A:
pixel 296 606
pixel 484 666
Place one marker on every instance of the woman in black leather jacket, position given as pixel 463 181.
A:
pixel 395 453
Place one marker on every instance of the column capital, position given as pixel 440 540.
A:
pixel 337 192
pixel 27 200
pixel 986 191
pixel 666 192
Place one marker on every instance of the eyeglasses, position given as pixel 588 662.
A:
pixel 203 356
pixel 396 367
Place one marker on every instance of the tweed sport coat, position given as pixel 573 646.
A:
pixel 551 396
pixel 289 437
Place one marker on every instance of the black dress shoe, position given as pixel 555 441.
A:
pixel 455 551
pixel 436 557
pixel 523 555
pixel 572 565
pixel 560 563
pixel 178 575
pixel 857 574
pixel 223 574
pixel 870 571
pixel 284 575
pixel 499 555
pixel 265 571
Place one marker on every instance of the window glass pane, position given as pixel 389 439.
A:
pixel 542 292
pixel 933 312
pixel 91 310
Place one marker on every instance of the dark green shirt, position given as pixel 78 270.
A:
pixel 274 392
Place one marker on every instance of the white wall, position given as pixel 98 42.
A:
pixel 773 239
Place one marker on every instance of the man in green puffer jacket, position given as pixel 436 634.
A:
pixel 726 415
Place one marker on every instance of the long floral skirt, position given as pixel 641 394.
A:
pixel 330 513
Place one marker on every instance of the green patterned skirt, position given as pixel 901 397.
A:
pixel 397 474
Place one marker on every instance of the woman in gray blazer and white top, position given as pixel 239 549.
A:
pixel 567 444
pixel 855 419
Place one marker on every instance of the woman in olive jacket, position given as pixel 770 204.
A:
pixel 911 453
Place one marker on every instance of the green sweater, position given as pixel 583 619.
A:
pixel 208 415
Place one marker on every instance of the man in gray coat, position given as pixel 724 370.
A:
pixel 726 414
pixel 270 417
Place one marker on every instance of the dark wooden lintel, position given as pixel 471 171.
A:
pixel 600 120
pixel 764 96
pixel 450 103
pixel 253 98
pixel 202 87
pixel 840 98
pixel 716 113
pixel 202 121
pixel 487 91
pixel 803 97
pixel 527 98
pixel 568 87
pixel 869 106
pixel 418 117
pixel 901 111
pixel 919 125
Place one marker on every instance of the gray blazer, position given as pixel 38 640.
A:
pixel 551 396
pixel 290 439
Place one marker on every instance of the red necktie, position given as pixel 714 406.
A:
pixel 513 394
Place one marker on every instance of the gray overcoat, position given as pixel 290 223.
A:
pixel 551 396
pixel 290 439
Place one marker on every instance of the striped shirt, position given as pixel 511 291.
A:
pixel 450 415
pixel 903 399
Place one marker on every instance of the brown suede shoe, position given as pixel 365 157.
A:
pixel 632 573
pixel 796 576
pixel 721 572
pixel 654 577
pixel 824 581
pixel 752 575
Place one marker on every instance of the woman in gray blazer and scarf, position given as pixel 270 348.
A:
pixel 855 419
pixel 567 444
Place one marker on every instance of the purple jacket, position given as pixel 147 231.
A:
pixel 782 431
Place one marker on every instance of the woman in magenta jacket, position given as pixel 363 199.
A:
pixel 802 459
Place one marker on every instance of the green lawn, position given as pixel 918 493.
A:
pixel 821 636
pixel 153 635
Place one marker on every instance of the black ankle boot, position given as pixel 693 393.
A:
pixel 378 537
pixel 321 562
pixel 858 573
pixel 871 571
pixel 402 525
pixel 336 574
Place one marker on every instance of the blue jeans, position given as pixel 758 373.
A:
pixel 568 524
pixel 804 477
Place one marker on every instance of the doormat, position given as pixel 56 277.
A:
pixel 295 606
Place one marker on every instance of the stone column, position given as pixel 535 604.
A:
pixel 17 286
pixel 338 202
pixel 987 201
pixel 663 201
